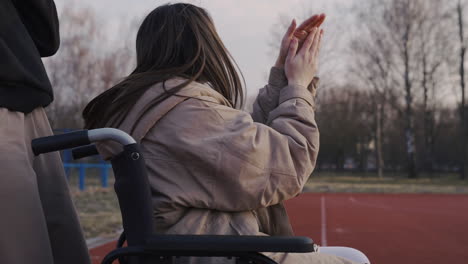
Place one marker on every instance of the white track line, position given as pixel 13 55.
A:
pixel 324 222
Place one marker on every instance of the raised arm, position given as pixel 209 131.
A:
pixel 236 164
pixel 41 20
pixel 268 96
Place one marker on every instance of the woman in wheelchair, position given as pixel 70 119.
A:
pixel 213 168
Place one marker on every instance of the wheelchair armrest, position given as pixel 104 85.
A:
pixel 229 244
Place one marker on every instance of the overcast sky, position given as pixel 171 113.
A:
pixel 244 25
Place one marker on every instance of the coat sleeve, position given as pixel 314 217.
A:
pixel 41 20
pixel 268 97
pixel 236 164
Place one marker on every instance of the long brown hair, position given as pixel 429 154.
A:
pixel 174 40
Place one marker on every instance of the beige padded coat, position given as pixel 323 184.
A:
pixel 217 170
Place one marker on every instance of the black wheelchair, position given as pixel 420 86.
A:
pixel 133 193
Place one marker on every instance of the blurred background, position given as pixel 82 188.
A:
pixel 392 71
pixel 391 108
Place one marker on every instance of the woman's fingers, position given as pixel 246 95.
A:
pixel 289 33
pixel 306 27
pixel 303 30
pixel 292 49
pixel 301 62
pixel 319 44
pixel 319 21
pixel 316 42
pixel 311 20
pixel 285 42
pixel 309 40
pixel 291 29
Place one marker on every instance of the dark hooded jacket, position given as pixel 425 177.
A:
pixel 29 30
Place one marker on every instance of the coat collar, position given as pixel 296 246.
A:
pixel 144 115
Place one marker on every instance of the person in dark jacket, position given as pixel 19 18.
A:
pixel 38 222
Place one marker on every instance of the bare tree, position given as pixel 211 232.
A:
pixel 402 18
pixel 343 118
pixel 398 60
pixel 86 64
pixel 373 67
pixel 72 70
pixel 464 133
pixel 376 78
pixel 391 48
pixel 434 42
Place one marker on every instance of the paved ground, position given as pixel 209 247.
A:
pixel 388 228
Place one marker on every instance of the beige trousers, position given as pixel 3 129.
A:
pixel 38 222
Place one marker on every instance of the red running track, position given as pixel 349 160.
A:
pixel 388 228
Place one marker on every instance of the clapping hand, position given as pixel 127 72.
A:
pixel 299 33
pixel 301 63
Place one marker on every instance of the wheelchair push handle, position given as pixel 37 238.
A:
pixel 84 151
pixel 59 142
pixel 78 139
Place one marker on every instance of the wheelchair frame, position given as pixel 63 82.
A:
pixel 132 188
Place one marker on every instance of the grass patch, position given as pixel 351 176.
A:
pixel 97 207
pixel 99 212
pixel 92 178
pixel 391 183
